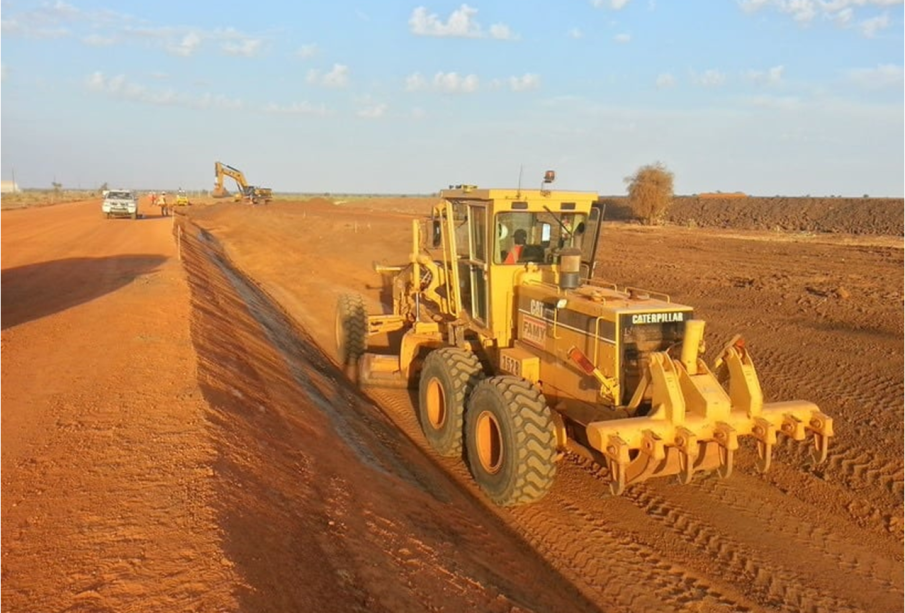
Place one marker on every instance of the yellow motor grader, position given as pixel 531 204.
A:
pixel 519 354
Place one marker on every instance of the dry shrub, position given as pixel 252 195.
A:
pixel 650 192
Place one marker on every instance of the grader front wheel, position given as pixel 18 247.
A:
pixel 510 441
pixel 351 328
pixel 447 379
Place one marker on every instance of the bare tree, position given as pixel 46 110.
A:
pixel 650 192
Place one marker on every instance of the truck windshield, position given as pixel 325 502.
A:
pixel 536 237
pixel 119 195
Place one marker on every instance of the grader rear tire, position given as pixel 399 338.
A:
pixel 447 378
pixel 510 441
pixel 351 328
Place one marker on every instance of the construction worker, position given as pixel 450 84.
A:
pixel 162 203
pixel 519 238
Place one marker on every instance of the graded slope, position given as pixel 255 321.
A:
pixel 823 321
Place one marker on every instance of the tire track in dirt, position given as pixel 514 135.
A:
pixel 769 562
pixel 859 468
pixel 778 586
pixel 816 531
pixel 573 538
pixel 642 577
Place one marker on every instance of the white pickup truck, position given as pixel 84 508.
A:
pixel 120 203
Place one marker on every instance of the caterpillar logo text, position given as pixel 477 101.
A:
pixel 657 318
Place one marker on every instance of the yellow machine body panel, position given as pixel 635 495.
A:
pixel 598 323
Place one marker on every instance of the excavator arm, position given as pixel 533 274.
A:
pixel 224 170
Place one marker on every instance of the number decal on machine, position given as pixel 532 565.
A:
pixel 534 331
pixel 510 365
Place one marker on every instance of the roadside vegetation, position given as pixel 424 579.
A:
pixel 45 197
pixel 650 192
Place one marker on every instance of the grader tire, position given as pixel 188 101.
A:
pixel 447 378
pixel 510 441
pixel 351 328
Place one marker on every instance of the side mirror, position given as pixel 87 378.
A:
pixel 437 237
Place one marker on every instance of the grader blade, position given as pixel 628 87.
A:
pixel 695 424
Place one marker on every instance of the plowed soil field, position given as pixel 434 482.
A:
pixel 178 436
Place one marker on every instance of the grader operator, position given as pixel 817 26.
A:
pixel 519 359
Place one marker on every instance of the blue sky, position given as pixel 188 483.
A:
pixel 789 97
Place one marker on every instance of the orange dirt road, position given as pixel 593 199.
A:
pixel 177 435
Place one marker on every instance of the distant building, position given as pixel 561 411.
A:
pixel 9 187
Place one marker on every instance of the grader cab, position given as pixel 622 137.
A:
pixel 520 354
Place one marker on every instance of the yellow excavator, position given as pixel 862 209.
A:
pixel 520 354
pixel 249 193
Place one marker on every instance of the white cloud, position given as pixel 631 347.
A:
pixel 11 27
pixel 665 80
pixel 575 33
pixel 709 78
pixel 63 11
pixel 616 5
pixel 460 24
pixel 120 88
pixel 297 108
pixel 869 27
pixel 525 82
pixel 771 76
pixel 445 82
pixel 415 82
pixel 249 47
pixel 622 38
pixel 337 77
pixel 373 111
pixel 418 113
pixel 881 77
pixel 838 5
pixel 802 11
pixel 841 12
pixel 185 47
pixel 843 17
pixel 57 19
pixel 182 41
pixel 451 82
pixel 307 51
pixel 501 31
pixel 236 43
